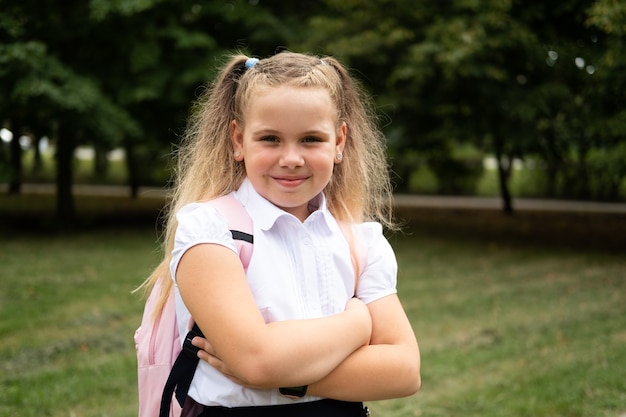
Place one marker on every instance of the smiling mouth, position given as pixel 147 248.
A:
pixel 290 182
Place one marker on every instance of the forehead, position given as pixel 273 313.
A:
pixel 286 97
pixel 291 109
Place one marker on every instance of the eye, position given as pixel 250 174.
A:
pixel 269 138
pixel 311 139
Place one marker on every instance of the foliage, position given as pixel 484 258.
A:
pixel 514 80
pixel 124 74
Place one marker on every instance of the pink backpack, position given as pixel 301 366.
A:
pixel 157 340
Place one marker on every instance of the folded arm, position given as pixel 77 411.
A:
pixel 389 367
pixel 213 286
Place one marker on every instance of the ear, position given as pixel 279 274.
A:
pixel 236 137
pixel 340 143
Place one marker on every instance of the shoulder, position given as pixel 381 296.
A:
pixel 378 275
pixel 201 220
pixel 371 230
pixel 199 211
pixel 372 243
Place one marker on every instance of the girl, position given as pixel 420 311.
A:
pixel 292 137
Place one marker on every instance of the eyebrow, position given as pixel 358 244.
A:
pixel 278 132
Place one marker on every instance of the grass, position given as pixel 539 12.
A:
pixel 67 317
pixel 510 331
pixel 512 318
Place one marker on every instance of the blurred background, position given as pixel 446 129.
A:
pixel 498 98
pixel 505 123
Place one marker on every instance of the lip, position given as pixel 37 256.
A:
pixel 290 182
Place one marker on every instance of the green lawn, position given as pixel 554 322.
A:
pixel 505 328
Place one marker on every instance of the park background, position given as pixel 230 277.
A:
pixel 489 105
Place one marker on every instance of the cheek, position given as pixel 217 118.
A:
pixel 325 163
pixel 258 160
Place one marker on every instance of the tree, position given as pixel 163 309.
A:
pixel 45 91
pixel 605 93
pixel 116 73
pixel 486 73
pixel 513 79
pixel 447 71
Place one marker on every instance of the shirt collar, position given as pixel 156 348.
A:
pixel 265 214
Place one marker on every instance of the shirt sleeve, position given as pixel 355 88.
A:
pixel 199 223
pixel 378 277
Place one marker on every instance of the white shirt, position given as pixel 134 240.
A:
pixel 297 270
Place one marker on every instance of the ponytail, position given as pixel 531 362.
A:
pixel 359 190
pixel 205 167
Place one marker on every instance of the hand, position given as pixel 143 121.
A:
pixel 208 354
pixel 363 316
pixel 354 303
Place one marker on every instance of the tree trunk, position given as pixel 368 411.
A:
pixel 552 173
pixel 554 164
pixel 15 165
pixel 66 142
pixel 101 163
pixel 37 162
pixel 584 191
pixel 507 204
pixel 132 169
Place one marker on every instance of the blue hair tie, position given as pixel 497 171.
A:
pixel 251 62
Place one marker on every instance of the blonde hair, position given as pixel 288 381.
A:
pixel 359 190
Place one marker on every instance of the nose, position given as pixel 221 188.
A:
pixel 291 157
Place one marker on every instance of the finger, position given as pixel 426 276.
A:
pixel 199 342
pixel 203 344
pixel 203 356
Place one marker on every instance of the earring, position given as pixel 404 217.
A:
pixel 237 154
pixel 339 157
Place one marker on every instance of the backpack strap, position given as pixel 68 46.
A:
pixel 357 252
pixel 184 367
pixel 181 374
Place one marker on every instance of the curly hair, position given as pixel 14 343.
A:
pixel 360 188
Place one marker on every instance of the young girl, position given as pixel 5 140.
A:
pixel 292 137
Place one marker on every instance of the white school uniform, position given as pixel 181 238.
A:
pixel 297 270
